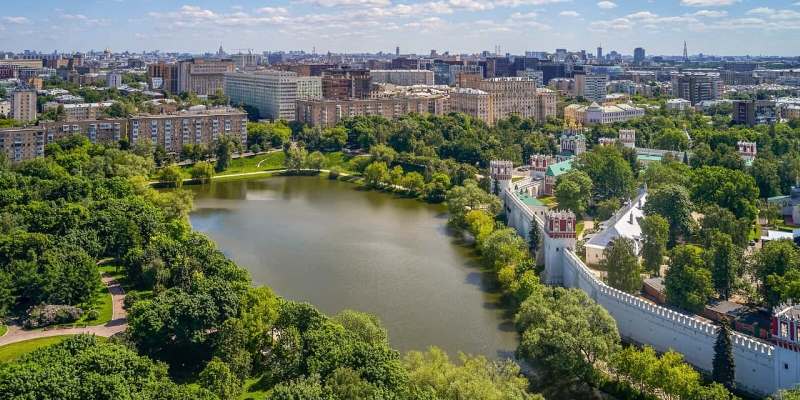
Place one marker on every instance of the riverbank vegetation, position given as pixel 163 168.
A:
pixel 199 328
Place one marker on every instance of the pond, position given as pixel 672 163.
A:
pixel 338 247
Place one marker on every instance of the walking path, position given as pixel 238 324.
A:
pixel 118 323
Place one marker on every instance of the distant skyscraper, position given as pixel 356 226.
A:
pixel 600 52
pixel 638 55
pixel 397 51
pixel 685 52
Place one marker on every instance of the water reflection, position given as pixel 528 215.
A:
pixel 338 247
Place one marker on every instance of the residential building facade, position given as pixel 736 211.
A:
pixel 23 105
pixel 203 76
pixel 272 92
pixel 329 112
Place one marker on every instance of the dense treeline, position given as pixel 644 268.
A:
pixel 575 339
pixel 193 312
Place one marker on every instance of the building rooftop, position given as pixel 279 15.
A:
pixel 625 224
pixel 559 168
pixel 529 200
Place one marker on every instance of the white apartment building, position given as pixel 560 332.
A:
pixel 591 87
pixel 678 105
pixel 114 79
pixel 309 88
pixel 597 114
pixel 5 108
pixel 402 77
pixel 272 92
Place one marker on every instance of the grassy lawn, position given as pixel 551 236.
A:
pixel 3 330
pixel 579 228
pixel 11 352
pixel 251 391
pixel 251 164
pixel 549 201
pixel 101 302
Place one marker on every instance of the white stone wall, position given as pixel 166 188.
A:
pixel 760 368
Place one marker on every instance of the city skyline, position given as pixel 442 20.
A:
pixel 720 27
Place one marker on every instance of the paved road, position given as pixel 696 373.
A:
pixel 118 323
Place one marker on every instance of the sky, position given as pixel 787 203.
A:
pixel 719 27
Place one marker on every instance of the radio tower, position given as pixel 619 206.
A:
pixel 685 52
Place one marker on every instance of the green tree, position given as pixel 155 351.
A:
pixel 396 175
pixel 573 191
pixel 436 189
pixel 376 175
pixel 433 376
pixel 716 218
pixel 610 173
pixel 534 238
pixel 724 365
pixel 774 265
pixel 463 199
pixel 203 171
pixel 383 153
pixel 367 327
pixel 655 234
pixel 622 264
pixel 225 148
pixel 171 175
pixel 315 161
pixel 414 183
pixel 567 332
pixel 218 378
pixel 296 157
pixel 607 208
pixel 672 202
pixel 765 173
pixel 724 260
pixel 728 188
pixel 688 282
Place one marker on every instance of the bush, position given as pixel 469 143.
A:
pixel 334 173
pixel 48 314
pixel 92 315
pixel 131 298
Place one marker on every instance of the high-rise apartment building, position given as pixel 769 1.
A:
pixel 346 83
pixel 697 87
pixel 402 77
pixel 20 144
pixel 591 87
pixel 203 76
pixel 513 95
pixel 114 79
pixel 474 102
pixel 23 104
pixel 272 92
pixel 163 76
pixel 638 55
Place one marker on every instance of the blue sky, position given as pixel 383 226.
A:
pixel 709 26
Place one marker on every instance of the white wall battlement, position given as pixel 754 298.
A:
pixel 761 368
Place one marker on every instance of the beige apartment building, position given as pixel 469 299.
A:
pixel 23 105
pixel 105 131
pixel 173 131
pixel 474 102
pixel 19 144
pixel 203 76
pixel 327 113
pixel 80 111
pixel 512 95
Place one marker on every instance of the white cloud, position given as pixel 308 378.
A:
pixel 707 3
pixel 711 14
pixel 569 14
pixel 472 5
pixel 643 15
pixel 272 10
pixel 607 5
pixel 16 20
pixel 515 3
pixel 337 3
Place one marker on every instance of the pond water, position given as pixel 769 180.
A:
pixel 338 247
